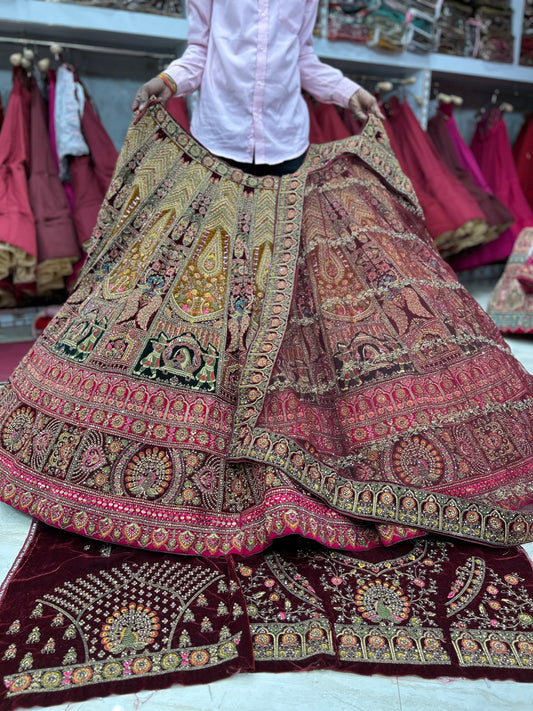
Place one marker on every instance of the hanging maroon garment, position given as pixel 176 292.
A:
pixel 523 158
pixel 492 149
pixel 315 132
pixel 18 246
pixel 351 123
pixel 451 214
pixel 331 124
pixel 57 245
pixel 497 215
pixel 88 196
pixel 90 175
pixel 177 108
pixel 437 219
pixel 103 152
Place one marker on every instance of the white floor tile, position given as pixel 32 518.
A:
pixel 440 695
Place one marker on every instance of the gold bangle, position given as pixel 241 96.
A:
pixel 169 81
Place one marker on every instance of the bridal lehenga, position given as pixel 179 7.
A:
pixel 246 358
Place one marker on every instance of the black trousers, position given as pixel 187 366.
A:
pixel 261 169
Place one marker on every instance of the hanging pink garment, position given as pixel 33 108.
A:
pixel 464 154
pixel 18 246
pixel 177 108
pixel 452 216
pixel 492 149
pixel 497 215
pixel 523 158
pixel 57 247
pixel 315 132
pixel 331 124
pixel 103 152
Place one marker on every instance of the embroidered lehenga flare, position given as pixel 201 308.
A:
pixel 246 358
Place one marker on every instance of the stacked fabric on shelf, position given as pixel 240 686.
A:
pixel 475 28
pixel 526 50
pixel 459 32
pixel 386 24
pixel 496 39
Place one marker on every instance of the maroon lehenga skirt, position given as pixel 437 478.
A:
pixel 245 358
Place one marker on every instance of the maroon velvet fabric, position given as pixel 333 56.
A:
pixel 115 620
pixel 81 618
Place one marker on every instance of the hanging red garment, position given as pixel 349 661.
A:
pixel 177 108
pixel 497 215
pixel 437 219
pixel 88 196
pixel 492 149
pixel 103 152
pixel 331 124
pixel 18 248
pixel 523 158
pixel 57 246
pixel 351 123
pixel 315 132
pixel 452 216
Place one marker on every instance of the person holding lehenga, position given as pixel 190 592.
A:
pixel 276 346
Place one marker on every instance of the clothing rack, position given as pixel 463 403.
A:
pixel 88 48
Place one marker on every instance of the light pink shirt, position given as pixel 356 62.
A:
pixel 251 59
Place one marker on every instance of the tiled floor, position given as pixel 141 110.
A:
pixel 316 690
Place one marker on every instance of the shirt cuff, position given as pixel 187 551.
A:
pixel 185 85
pixel 344 91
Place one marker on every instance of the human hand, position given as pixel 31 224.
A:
pixel 156 88
pixel 362 103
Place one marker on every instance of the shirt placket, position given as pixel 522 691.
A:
pixel 257 138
